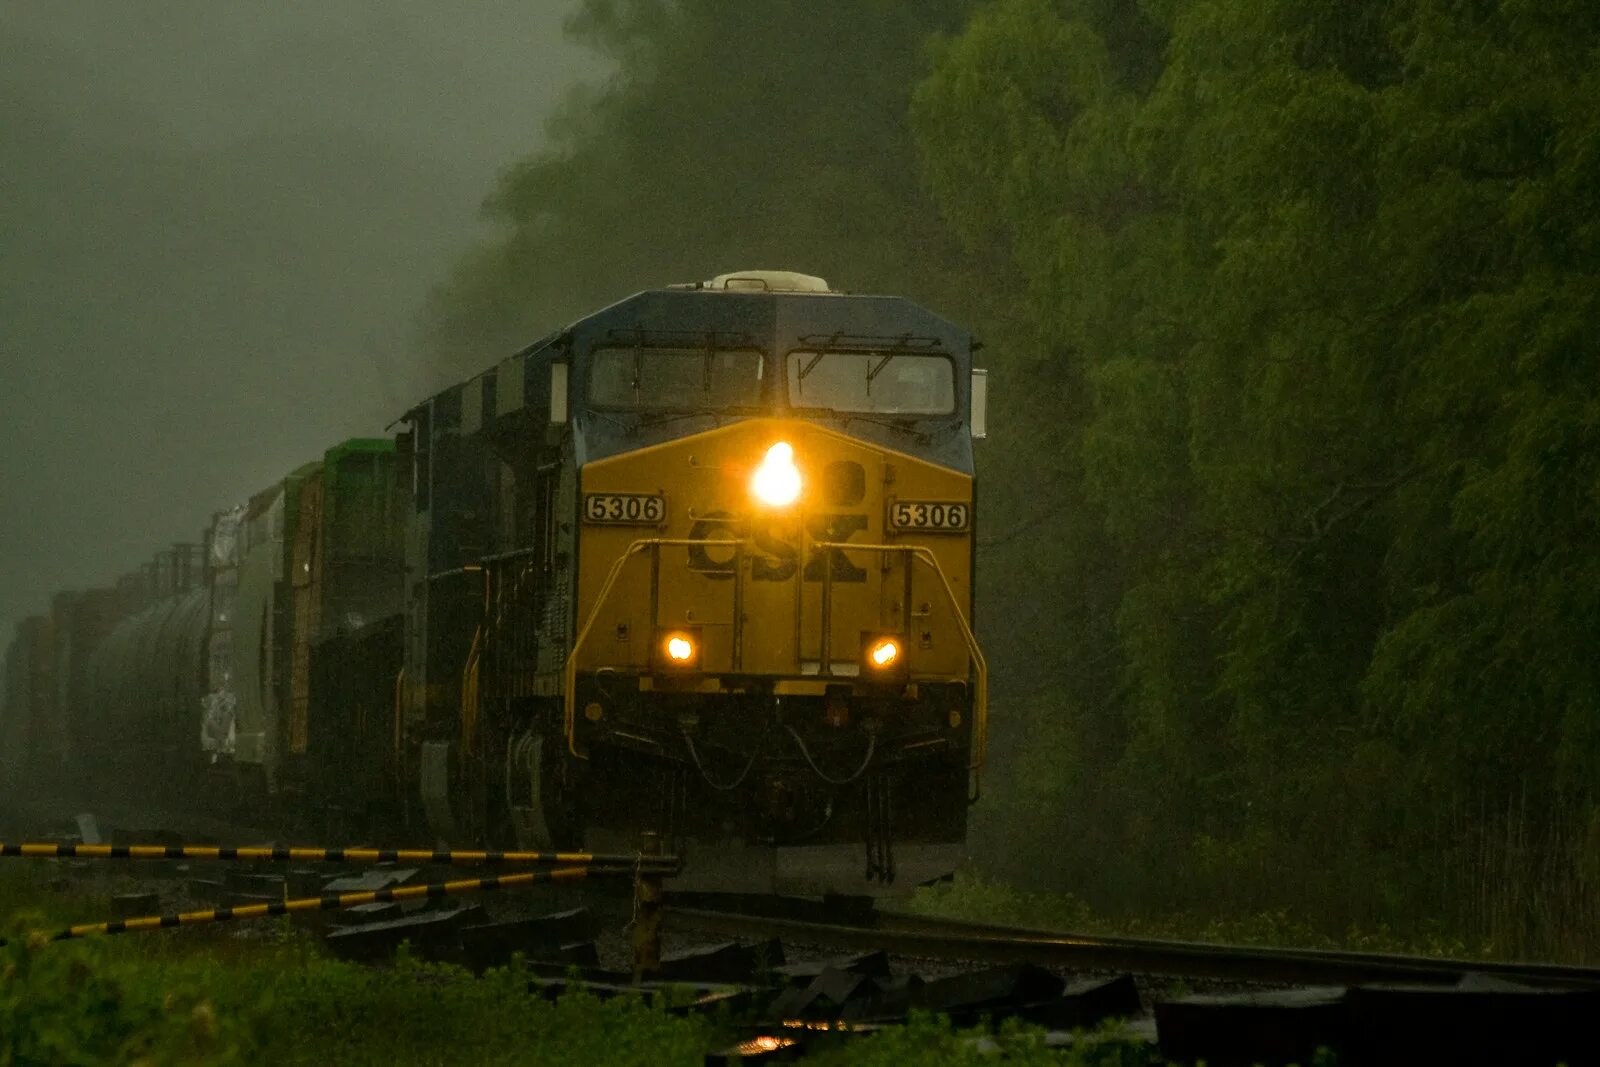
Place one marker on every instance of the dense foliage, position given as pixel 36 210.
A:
pixel 1329 281
pixel 224 996
pixel 266 994
pixel 730 137
pixel 1293 505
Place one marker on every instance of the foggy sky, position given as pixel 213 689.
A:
pixel 218 219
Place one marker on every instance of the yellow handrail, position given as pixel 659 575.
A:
pixel 980 711
pixel 469 693
pixel 570 673
pixel 399 712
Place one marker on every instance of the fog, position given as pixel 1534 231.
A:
pixel 218 221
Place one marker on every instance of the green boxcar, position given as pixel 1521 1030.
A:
pixel 346 567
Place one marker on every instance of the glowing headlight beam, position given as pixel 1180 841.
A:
pixel 680 649
pixel 776 482
pixel 884 653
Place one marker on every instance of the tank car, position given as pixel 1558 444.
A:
pixel 134 732
pixel 191 682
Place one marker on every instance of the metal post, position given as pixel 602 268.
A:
pixel 647 896
pixel 738 607
pixel 825 652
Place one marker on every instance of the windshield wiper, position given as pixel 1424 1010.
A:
pixel 663 417
pixel 613 418
pixel 811 365
pixel 902 424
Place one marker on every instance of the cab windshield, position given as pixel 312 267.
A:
pixel 881 383
pixel 674 379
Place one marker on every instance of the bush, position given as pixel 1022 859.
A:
pixel 73 1003
pixel 210 996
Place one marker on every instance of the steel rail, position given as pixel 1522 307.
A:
pixel 910 935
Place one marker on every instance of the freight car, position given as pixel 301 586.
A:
pixel 306 559
pixel 700 564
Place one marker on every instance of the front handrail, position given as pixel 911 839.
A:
pixel 980 709
pixel 980 713
pixel 569 698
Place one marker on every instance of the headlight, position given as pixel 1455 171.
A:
pixel 776 482
pixel 883 653
pixel 679 650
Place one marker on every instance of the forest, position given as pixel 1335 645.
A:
pixel 1290 563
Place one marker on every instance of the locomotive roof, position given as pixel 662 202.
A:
pixel 728 312
pixel 731 310
pixel 774 318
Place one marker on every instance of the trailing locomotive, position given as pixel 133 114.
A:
pixel 699 564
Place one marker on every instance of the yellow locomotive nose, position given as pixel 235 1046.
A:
pixel 776 482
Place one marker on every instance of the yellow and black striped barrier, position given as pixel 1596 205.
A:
pixel 450 857
pixel 330 902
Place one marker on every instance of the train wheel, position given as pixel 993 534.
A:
pixel 524 791
pixel 543 792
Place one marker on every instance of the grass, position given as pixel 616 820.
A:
pixel 207 995
pixel 972 897
pixel 931 1040
pixel 282 1002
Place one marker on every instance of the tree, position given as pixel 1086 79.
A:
pixel 768 135
pixel 1323 279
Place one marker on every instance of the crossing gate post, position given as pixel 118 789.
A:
pixel 647 896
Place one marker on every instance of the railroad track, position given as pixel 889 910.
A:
pixel 945 939
pixel 856 927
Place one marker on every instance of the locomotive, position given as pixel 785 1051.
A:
pixel 699 564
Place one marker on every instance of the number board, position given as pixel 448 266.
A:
pixel 943 516
pixel 635 509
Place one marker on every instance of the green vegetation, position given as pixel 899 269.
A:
pixel 82 1003
pixel 237 994
pixel 1290 520
pixel 220 995
pixel 1319 282
pixel 730 138
pixel 280 1002
pixel 971 897
pixel 931 1040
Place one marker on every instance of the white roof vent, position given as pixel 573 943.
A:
pixel 769 281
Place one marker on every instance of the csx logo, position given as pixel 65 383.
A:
pixel 776 556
